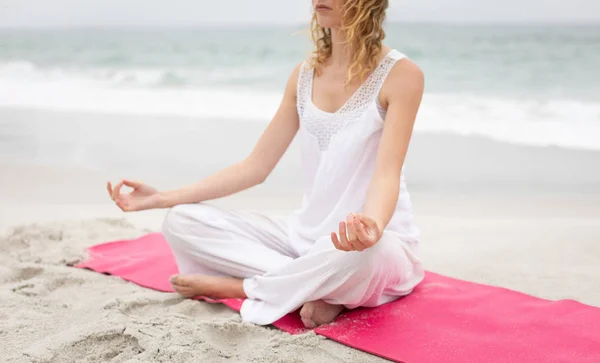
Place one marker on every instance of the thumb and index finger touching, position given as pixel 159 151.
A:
pixel 115 191
pixel 132 183
pixel 368 221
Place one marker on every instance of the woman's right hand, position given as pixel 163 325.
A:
pixel 141 198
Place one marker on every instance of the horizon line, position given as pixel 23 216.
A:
pixel 297 24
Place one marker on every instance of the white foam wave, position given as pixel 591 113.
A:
pixel 167 77
pixel 22 85
pixel 566 123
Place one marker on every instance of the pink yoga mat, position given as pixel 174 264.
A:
pixel 443 320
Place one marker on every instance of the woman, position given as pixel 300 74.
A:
pixel 353 242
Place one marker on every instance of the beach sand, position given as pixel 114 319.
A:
pixel 542 242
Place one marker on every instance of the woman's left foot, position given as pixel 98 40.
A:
pixel 215 287
pixel 319 312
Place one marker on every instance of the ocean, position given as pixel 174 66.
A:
pixel 535 85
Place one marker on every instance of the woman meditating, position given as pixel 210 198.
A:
pixel 353 241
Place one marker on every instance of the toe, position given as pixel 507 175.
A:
pixel 308 323
pixel 306 311
pixel 306 314
pixel 178 280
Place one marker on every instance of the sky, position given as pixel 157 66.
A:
pixel 42 13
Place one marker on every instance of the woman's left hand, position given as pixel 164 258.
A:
pixel 357 233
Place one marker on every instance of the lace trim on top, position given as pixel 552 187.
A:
pixel 325 125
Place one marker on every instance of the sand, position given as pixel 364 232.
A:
pixel 545 244
pixel 54 313
pixel 189 148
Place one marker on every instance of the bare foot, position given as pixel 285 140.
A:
pixel 215 287
pixel 319 312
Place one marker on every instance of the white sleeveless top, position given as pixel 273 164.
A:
pixel 338 152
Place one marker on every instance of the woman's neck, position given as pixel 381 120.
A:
pixel 340 51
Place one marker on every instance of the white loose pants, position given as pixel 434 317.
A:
pixel 206 239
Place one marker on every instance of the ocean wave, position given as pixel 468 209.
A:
pixel 564 123
pixel 167 77
pixel 221 94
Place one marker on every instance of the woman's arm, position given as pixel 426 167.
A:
pixel 402 93
pixel 256 167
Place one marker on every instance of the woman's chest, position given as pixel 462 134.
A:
pixel 334 130
pixel 330 94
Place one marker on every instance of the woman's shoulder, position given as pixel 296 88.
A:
pixel 396 55
pixel 301 70
pixel 405 76
pixel 308 62
pixel 403 66
pixel 294 78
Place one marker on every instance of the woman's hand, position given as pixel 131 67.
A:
pixel 358 233
pixel 142 197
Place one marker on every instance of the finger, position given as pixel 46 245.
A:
pixel 342 235
pixel 125 207
pixel 360 230
pixel 343 239
pixel 368 221
pixel 123 204
pixel 117 191
pixel 363 237
pixel 109 188
pixel 350 230
pixel 132 184
pixel 336 241
pixel 353 237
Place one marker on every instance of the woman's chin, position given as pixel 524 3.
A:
pixel 326 23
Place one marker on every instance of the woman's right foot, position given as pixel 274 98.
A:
pixel 319 312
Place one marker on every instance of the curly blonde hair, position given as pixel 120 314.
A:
pixel 362 23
